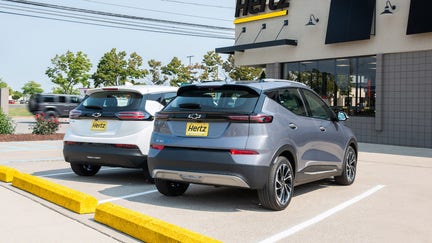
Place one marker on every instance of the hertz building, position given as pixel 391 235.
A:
pixel 370 58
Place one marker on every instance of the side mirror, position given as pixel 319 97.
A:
pixel 342 116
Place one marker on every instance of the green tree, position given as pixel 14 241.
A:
pixel 155 72
pixel 240 72
pixel 31 88
pixel 177 72
pixel 3 84
pixel 16 95
pixel 114 69
pixel 68 71
pixel 210 65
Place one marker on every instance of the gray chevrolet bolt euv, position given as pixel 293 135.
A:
pixel 267 135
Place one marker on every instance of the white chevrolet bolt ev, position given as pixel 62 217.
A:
pixel 113 126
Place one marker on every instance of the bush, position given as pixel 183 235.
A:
pixel 6 124
pixel 45 126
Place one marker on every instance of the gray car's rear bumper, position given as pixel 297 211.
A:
pixel 212 167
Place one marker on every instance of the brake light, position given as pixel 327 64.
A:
pixel 260 118
pixel 132 115
pixel 243 152
pixel 126 146
pixel 157 146
pixel 73 114
pixel 109 88
pixel 69 143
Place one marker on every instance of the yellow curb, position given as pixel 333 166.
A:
pixel 68 198
pixel 144 227
pixel 7 173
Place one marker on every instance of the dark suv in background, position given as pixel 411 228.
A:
pixel 53 105
pixel 267 135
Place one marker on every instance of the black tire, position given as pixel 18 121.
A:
pixel 171 188
pixel 147 175
pixel 349 168
pixel 85 169
pixel 51 114
pixel 279 189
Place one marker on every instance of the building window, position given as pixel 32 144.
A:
pixel 345 84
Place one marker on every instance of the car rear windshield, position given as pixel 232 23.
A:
pixel 236 99
pixel 113 101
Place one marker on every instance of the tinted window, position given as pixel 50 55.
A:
pixel 48 99
pixel 62 99
pixel 113 101
pixel 74 99
pixel 317 107
pixel 163 98
pixel 215 99
pixel 290 99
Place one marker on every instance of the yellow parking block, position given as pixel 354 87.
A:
pixel 143 227
pixel 63 196
pixel 7 173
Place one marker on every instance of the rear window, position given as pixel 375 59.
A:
pixel 215 99
pixel 113 101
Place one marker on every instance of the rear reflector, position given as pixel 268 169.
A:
pixel 242 152
pixel 69 143
pixel 131 115
pixel 157 146
pixel 126 146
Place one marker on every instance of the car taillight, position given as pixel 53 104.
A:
pixel 243 152
pixel 157 146
pixel 69 143
pixel 109 88
pixel 132 115
pixel 73 114
pixel 126 146
pixel 260 118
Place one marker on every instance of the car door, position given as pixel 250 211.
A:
pixel 330 142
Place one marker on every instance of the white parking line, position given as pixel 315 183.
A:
pixel 127 196
pixel 68 173
pixel 321 216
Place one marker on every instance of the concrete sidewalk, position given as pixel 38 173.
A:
pixel 25 219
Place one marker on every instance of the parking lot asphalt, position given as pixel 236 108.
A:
pixel 389 202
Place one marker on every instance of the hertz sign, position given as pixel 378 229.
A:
pixel 246 7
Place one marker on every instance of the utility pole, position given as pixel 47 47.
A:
pixel 190 60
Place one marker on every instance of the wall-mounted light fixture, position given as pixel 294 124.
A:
pixel 243 30
pixel 389 8
pixel 312 20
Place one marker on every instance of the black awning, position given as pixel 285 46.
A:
pixel 232 49
pixel 350 20
pixel 420 20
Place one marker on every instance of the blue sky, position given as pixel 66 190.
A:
pixel 27 44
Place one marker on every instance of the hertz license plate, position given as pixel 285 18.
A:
pixel 197 129
pixel 99 126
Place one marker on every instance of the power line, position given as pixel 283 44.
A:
pixel 158 11
pixel 115 15
pixel 196 4
pixel 112 21
pixel 112 26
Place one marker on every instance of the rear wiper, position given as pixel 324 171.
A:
pixel 95 107
pixel 190 106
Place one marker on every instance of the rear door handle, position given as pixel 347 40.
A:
pixel 292 126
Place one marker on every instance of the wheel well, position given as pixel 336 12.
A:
pixel 354 145
pixel 291 158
